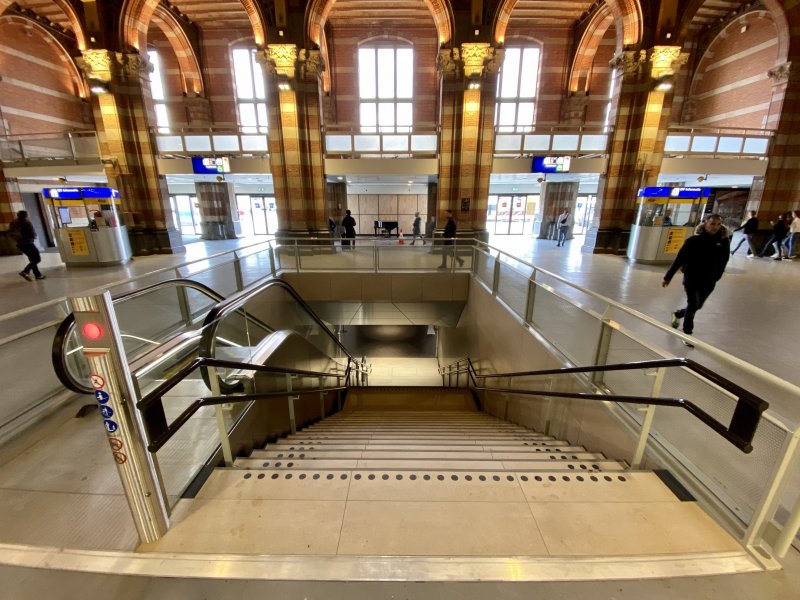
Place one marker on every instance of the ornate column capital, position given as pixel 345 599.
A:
pixel 666 60
pixel 628 62
pixel 282 58
pixel 473 57
pixel 310 63
pixel 107 66
pixel 447 62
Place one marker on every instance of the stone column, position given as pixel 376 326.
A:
pixel 637 144
pixel 295 139
pixel 123 113
pixel 217 205
pixel 555 197
pixel 466 145
pixel 782 180
pixel 10 203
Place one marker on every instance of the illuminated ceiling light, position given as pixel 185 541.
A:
pixel 340 178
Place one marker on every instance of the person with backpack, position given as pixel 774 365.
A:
pixel 25 235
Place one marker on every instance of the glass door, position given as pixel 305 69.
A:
pixel 187 210
pixel 259 212
pixel 503 219
pixel 245 214
pixel 584 213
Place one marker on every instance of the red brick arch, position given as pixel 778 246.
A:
pixel 136 16
pixel 191 77
pixel 583 61
pixel 72 17
pixel 782 19
pixel 627 15
pixel 72 68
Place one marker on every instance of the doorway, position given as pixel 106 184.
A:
pixel 257 214
pixel 512 215
pixel 186 210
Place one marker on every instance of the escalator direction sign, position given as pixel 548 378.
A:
pixel 111 426
pixel 107 412
pixel 101 396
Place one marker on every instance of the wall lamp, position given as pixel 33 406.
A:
pixel 473 84
pixel 283 83
pixel 98 87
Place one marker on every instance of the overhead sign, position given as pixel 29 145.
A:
pixel 551 164
pixel 78 193
pixel 210 166
pixel 674 192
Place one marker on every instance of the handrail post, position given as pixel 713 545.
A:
pixel 321 399
pixel 647 422
pixel 531 297
pixel 603 345
pixel 271 259
pixel 297 256
pixel 183 305
pixel 72 150
pixel 237 271
pixel 772 495
pixel 224 440
pixel 496 276
pixel 375 255
pixel 789 531
pixel 291 399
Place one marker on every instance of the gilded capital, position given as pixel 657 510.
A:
pixel 96 64
pixel 104 65
pixel 473 56
pixel 284 58
pixel 310 63
pixel 629 62
pixel 447 62
pixel 666 60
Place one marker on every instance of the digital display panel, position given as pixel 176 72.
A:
pixel 671 192
pixel 210 165
pixel 551 164
pixel 62 193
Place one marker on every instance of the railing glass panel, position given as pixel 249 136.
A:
pixel 755 146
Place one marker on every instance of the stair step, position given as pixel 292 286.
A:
pixel 473 454
pixel 577 464
pixel 393 447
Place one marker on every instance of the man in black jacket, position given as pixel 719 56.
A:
pixel 749 228
pixel 25 235
pixel 449 239
pixel 702 258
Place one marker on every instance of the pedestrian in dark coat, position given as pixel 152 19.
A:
pixel 349 225
pixel 449 240
pixel 779 231
pixel 702 258
pixel 25 235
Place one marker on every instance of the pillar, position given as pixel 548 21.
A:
pixel 295 139
pixel 555 197
pixel 217 205
pixel 123 113
pixel 10 203
pixel 466 144
pixel 637 143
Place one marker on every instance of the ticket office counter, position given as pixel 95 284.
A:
pixel 661 226
pixel 88 231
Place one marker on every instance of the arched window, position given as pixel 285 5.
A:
pixel 157 92
pixel 251 95
pixel 385 88
pixel 516 90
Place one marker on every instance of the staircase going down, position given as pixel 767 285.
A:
pixel 422 473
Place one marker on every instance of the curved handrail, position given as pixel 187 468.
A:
pixel 58 353
pixel 152 410
pixel 207 346
pixel 739 432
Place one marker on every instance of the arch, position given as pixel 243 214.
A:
pixel 774 9
pixel 627 15
pixel 583 61
pixel 191 76
pixel 81 84
pixel 318 11
pixel 69 12
pixel 137 14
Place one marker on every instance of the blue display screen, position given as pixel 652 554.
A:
pixel 62 193
pixel 210 166
pixel 99 192
pixel 551 164
pixel 671 192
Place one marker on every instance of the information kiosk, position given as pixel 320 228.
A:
pixel 88 228
pixel 665 217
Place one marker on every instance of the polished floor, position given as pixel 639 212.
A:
pixel 749 316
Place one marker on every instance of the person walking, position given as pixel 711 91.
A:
pixel 349 225
pixel 416 230
pixel 779 231
pixel 449 240
pixel 749 228
pixel 702 258
pixel 25 235
pixel 793 238
pixel 565 221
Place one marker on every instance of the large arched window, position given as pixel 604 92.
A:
pixel 157 92
pixel 516 90
pixel 385 88
pixel 251 94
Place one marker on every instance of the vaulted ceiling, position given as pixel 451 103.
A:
pixel 210 14
pixel 47 9
pixel 547 13
pixel 379 13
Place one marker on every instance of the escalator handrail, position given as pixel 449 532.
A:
pixel 740 431
pixel 238 300
pixel 58 351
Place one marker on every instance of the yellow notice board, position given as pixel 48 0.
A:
pixel 78 244
pixel 675 239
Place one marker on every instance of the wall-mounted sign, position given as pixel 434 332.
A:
pixel 78 245
pixel 78 193
pixel 671 192
pixel 551 164
pixel 210 165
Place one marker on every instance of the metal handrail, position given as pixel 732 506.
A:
pixel 152 410
pixel 58 352
pixel 739 432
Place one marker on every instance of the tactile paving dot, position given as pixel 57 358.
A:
pixel 261 475
pixel 247 475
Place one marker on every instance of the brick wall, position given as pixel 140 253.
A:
pixel 599 80
pixel 730 87
pixel 171 74
pixel 218 71
pixel 343 44
pixel 37 91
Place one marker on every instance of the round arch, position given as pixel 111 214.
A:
pixel 191 76
pixel 81 84
pixel 69 12
pixel 583 61
pixel 774 9
pixel 137 14
pixel 627 15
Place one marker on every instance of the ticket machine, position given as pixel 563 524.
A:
pixel 87 226
pixel 665 217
